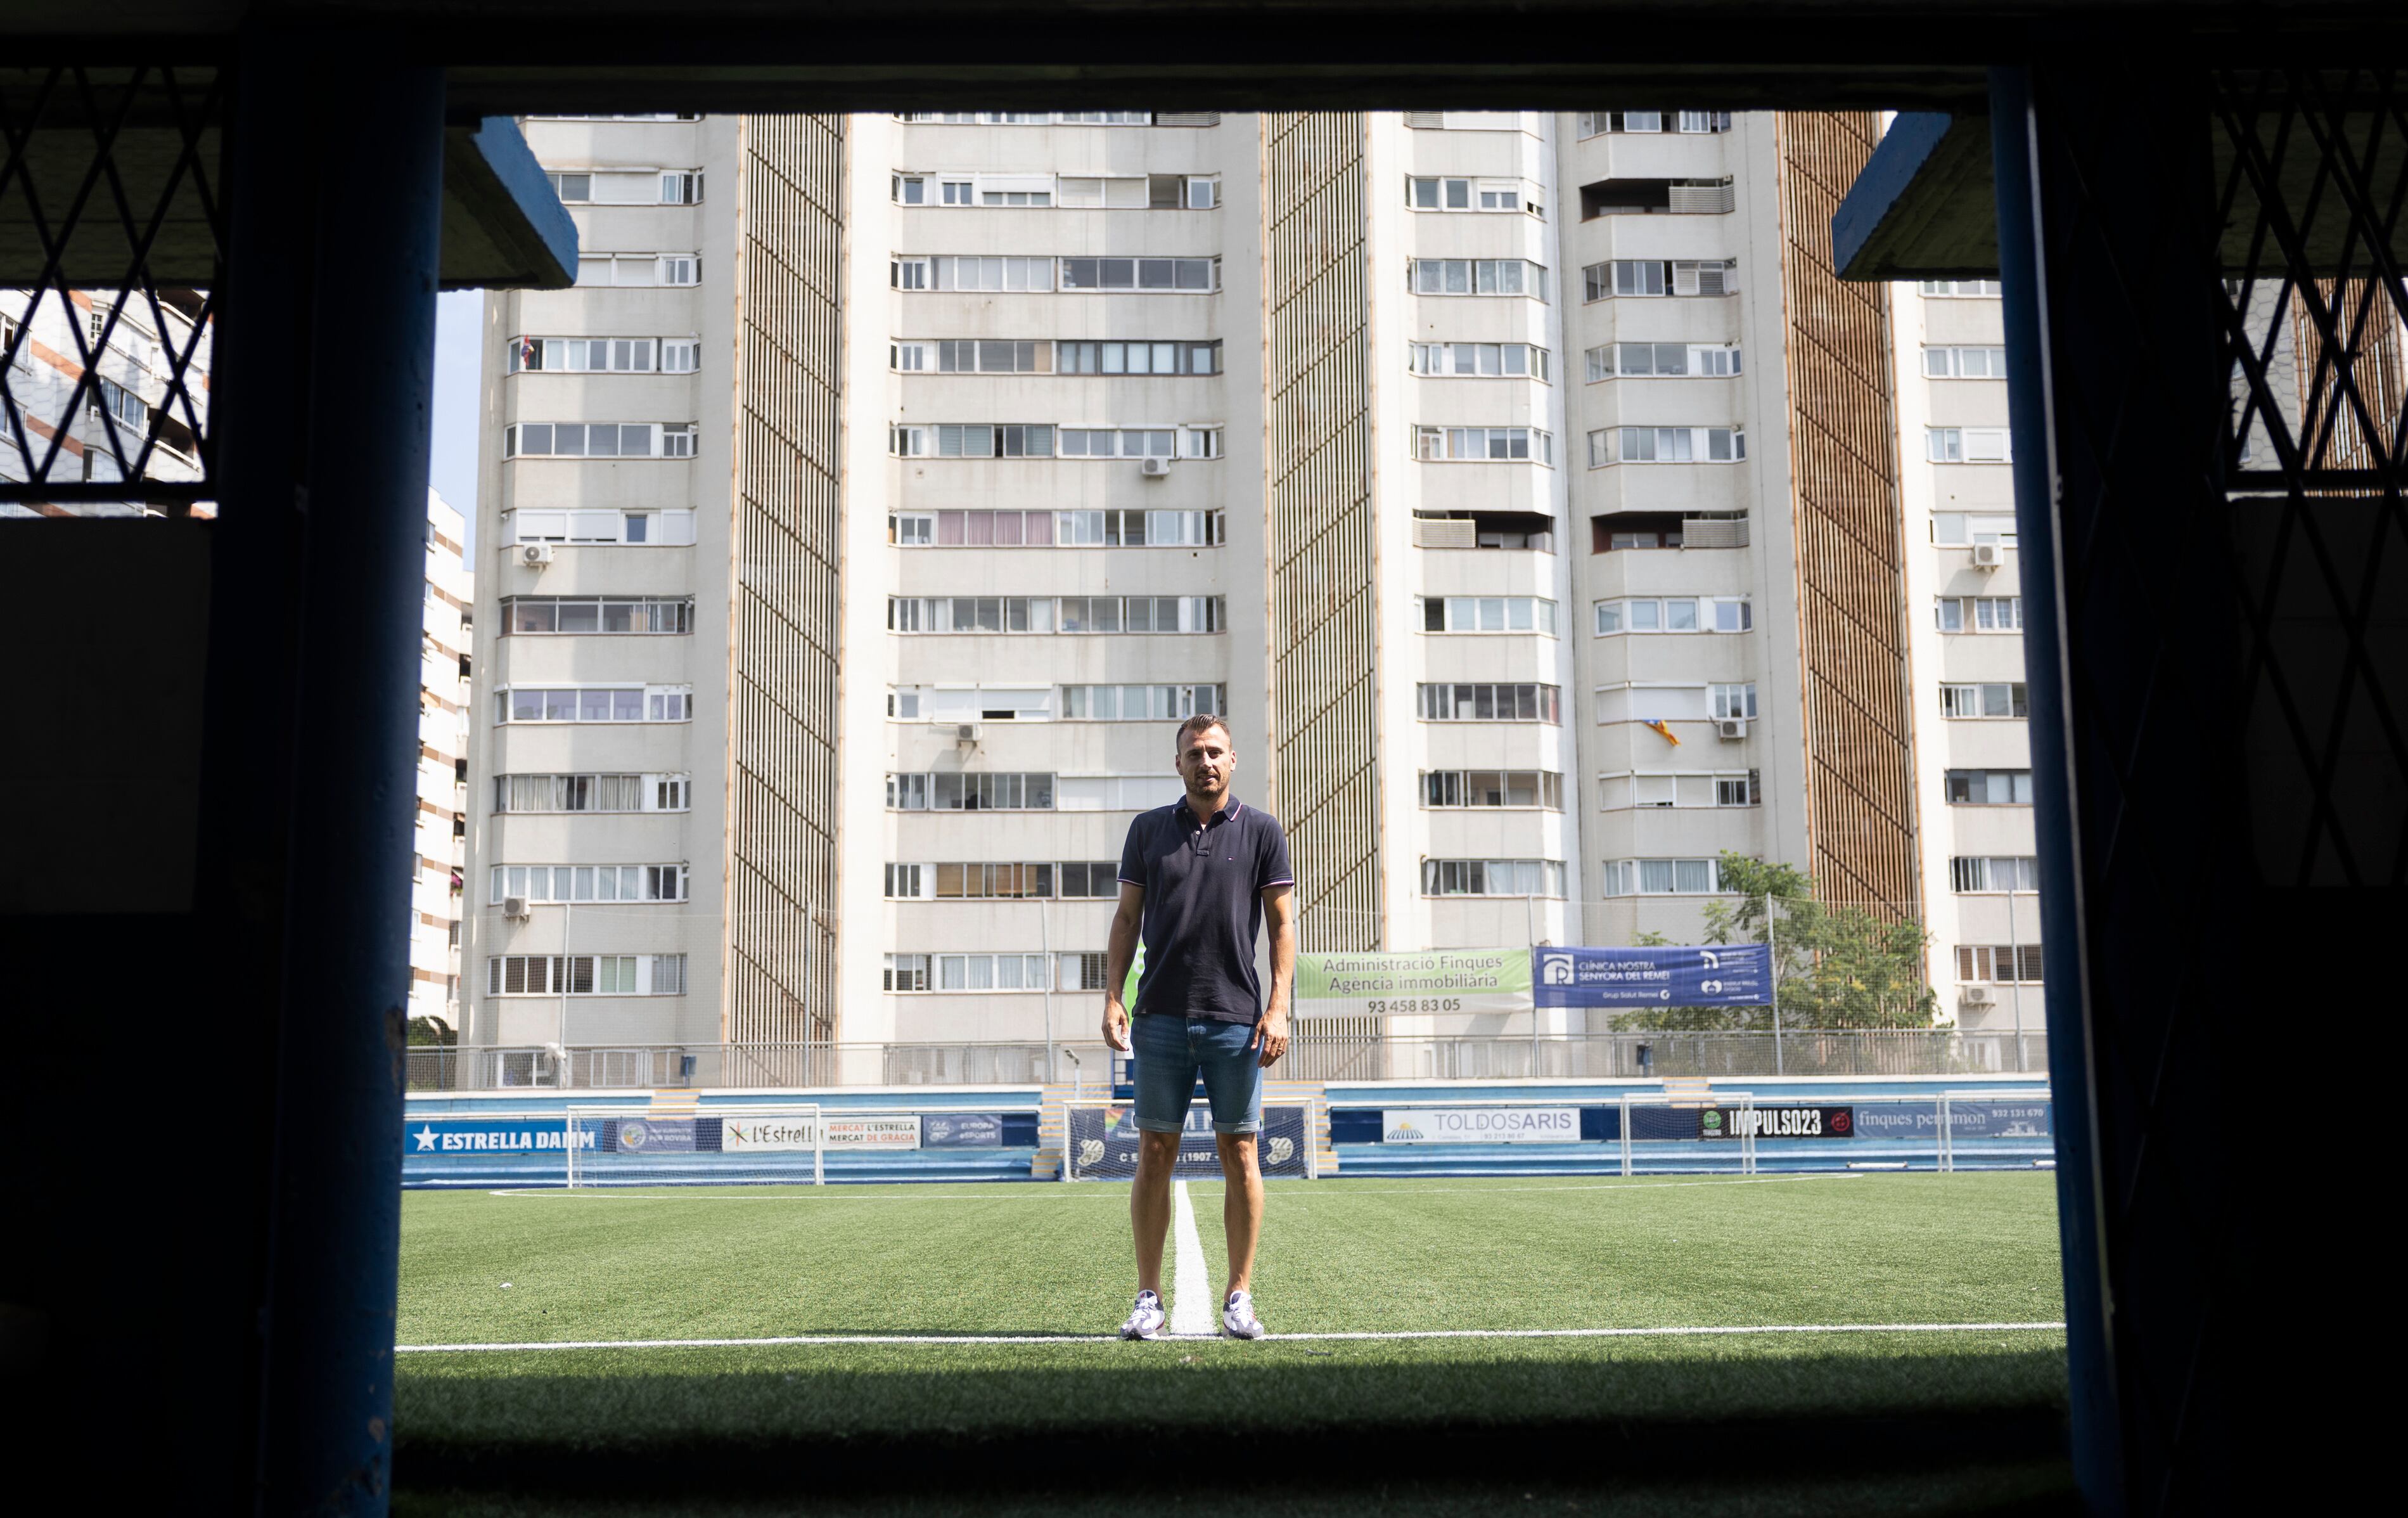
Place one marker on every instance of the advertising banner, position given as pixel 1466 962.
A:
pixel 1481 1125
pixel 1104 1143
pixel 961 1130
pixel 1406 984
pixel 493 1136
pixel 761 1134
pixel 889 1133
pixel 650 1135
pixel 1777 1122
pixel 1715 975
pixel 1983 1118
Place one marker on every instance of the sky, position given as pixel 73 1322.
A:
pixel 453 468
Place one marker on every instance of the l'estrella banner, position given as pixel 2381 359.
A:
pixel 1707 975
pixel 1104 1140
pixel 1406 984
pixel 493 1136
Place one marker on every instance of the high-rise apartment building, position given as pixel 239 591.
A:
pixel 440 895
pixel 141 411
pixel 1524 486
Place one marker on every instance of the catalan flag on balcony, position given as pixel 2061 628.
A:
pixel 1663 732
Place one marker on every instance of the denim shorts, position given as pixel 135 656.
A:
pixel 1171 1051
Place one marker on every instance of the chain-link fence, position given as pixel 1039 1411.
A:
pixel 1627 1054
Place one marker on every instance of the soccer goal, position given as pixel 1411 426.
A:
pixel 748 1146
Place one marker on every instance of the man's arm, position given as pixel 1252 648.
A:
pixel 1118 953
pixel 1279 916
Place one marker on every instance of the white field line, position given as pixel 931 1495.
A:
pixel 1191 1286
pixel 1694 1332
pixel 1008 1191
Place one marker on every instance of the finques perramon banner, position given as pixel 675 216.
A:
pixel 1411 983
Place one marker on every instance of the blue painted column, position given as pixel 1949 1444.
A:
pixel 336 181
pixel 2089 1364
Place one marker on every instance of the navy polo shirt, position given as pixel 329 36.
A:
pixel 1203 906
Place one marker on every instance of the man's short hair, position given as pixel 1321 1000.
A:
pixel 1202 721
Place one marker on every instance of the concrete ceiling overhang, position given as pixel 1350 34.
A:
pixel 502 224
pixel 1926 207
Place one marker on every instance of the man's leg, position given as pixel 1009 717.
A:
pixel 1241 1206
pixel 1157 1155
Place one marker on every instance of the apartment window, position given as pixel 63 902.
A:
pixel 1598 122
pixel 594 703
pixel 1965 363
pixel 1968 445
pixel 1979 614
pixel 1138 703
pixel 1667 445
pixel 1189 274
pixel 523 614
pixel 907 883
pixel 1487 614
pixel 1485 789
pixel 1088 879
pixel 973 441
pixel 1091 970
pixel 585 975
pixel 1182 192
pixel 1675 614
pixel 1123 528
pixel 999 274
pixel 1458 444
pixel 589 792
pixel 955 792
pixel 1049 614
pixel 1489 703
pixel 1112 358
pixel 1996 699
pixel 638 269
pixel 970 355
pixel 1993 874
pixel 1029 118
pixel 980 881
pixel 912 529
pixel 1731 703
pixel 1628 277
pixel 2001 964
pixel 906 972
pixel 1478 277
pixel 1740 789
pixel 589 882
pixel 1987 787
pixel 992 972
pixel 1954 529
pixel 1135 529
pixel 681 188
pixel 1662 878
pixel 1946 288
pixel 1661 360
pixel 1492 878
pixel 647 529
pixel 603 355
pixel 1120 442
pixel 1466 194
pixel 598 441
pixel 1508 361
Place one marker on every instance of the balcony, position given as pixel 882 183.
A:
pixel 1648 529
pixel 1656 197
pixel 1532 531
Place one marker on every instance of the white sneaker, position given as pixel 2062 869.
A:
pixel 1238 1318
pixel 1145 1321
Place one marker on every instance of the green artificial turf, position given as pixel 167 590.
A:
pixel 1363 1255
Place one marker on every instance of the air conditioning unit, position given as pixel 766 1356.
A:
pixel 1988 555
pixel 1731 727
pixel 1977 996
pixel 1154 468
pixel 515 907
pixel 535 555
pixel 967 735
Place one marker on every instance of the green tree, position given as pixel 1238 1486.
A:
pixel 1835 967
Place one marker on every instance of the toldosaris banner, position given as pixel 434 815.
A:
pixel 1413 984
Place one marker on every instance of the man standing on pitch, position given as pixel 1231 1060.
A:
pixel 1198 877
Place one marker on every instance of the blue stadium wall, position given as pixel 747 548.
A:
pixel 1568 1127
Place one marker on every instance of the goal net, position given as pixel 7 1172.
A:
pixel 1099 1141
pixel 750 1146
